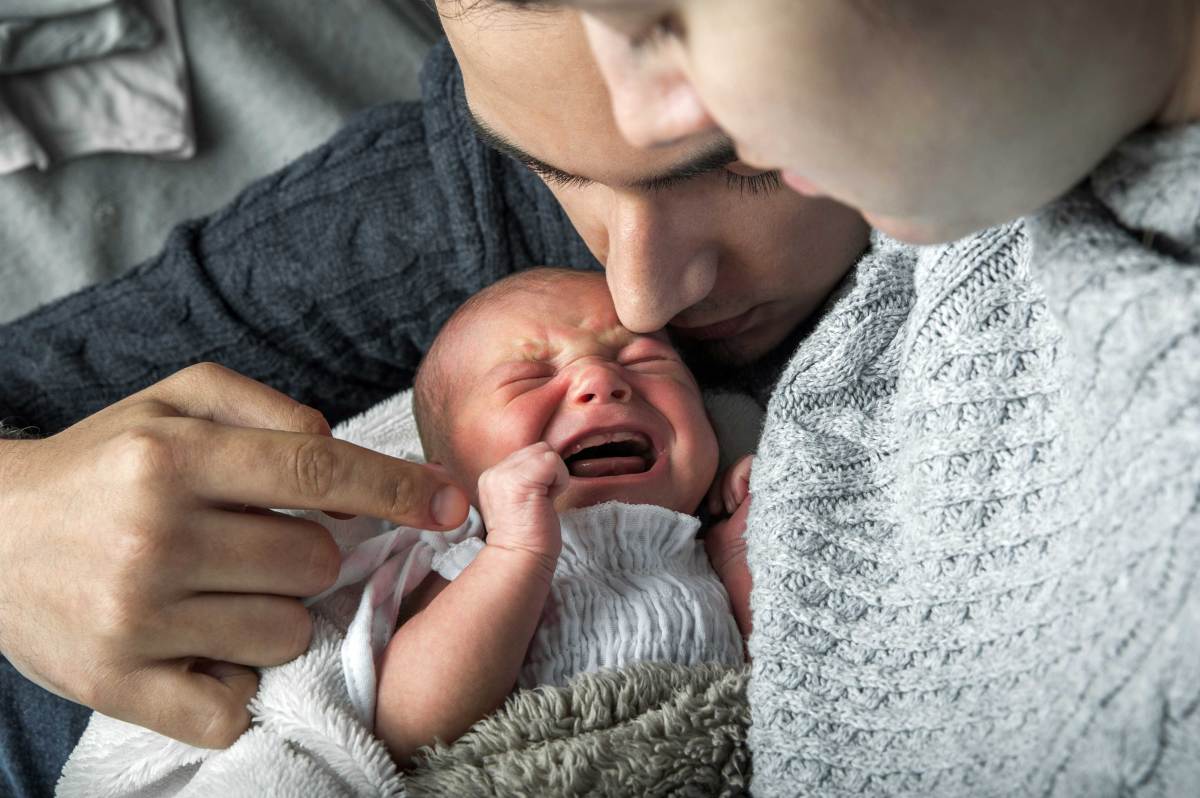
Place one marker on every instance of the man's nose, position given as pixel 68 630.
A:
pixel 597 384
pixel 653 101
pixel 660 261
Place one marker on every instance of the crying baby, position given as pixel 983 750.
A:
pixel 588 451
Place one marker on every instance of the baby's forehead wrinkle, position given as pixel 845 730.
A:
pixel 534 349
pixel 609 337
pixel 590 334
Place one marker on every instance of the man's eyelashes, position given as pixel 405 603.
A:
pixel 657 34
pixel 762 183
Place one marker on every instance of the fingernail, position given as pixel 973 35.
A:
pixel 449 506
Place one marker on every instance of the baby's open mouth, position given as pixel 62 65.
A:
pixel 610 454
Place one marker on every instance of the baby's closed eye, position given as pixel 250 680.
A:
pixel 520 377
pixel 649 354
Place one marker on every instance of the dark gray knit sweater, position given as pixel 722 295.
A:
pixel 327 280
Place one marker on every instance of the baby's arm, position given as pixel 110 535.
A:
pixel 457 657
pixel 724 541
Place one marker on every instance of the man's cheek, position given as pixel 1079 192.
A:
pixel 588 218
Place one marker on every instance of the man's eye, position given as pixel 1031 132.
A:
pixel 761 183
pixel 664 29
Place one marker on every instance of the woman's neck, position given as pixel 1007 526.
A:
pixel 1183 101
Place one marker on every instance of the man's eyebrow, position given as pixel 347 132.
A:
pixel 708 160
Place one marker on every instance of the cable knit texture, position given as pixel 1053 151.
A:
pixel 974 537
pixel 633 584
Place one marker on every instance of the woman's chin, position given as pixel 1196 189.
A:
pixel 910 230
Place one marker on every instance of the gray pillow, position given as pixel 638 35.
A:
pixel 33 43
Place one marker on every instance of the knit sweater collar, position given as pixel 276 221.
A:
pixel 1151 184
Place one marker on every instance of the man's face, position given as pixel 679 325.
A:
pixel 689 237
pixel 621 409
pixel 933 118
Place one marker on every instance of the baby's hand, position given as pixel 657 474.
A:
pixel 516 498
pixel 731 488
pixel 724 542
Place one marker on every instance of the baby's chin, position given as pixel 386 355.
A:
pixel 587 493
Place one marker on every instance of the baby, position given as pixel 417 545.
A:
pixel 535 396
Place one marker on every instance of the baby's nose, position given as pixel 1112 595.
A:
pixel 599 384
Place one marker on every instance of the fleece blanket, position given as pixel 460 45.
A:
pixel 652 728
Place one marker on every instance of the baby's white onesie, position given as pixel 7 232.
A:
pixel 633 584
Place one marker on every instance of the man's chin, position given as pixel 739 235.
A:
pixel 728 362
pixel 719 356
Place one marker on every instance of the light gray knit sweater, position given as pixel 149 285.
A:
pixel 974 536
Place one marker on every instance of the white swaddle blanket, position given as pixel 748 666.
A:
pixel 632 584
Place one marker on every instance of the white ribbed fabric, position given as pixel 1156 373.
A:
pixel 633 584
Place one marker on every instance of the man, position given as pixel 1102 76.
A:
pixel 135 565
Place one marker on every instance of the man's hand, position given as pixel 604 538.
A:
pixel 135 565
pixel 724 541
pixel 516 498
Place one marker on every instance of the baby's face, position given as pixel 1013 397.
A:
pixel 554 364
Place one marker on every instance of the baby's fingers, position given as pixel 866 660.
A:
pixel 738 482
pixel 536 468
pixel 553 471
pixel 541 465
pixel 729 497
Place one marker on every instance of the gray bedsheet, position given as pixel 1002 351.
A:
pixel 270 80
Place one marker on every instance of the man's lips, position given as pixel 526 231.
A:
pixel 721 329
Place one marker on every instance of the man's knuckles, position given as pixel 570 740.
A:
pixel 407 492
pixel 141 455
pixel 314 467
pixel 294 625
pixel 323 563
pixel 223 724
pixel 197 378
pixel 118 616
pixel 133 551
pixel 308 420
